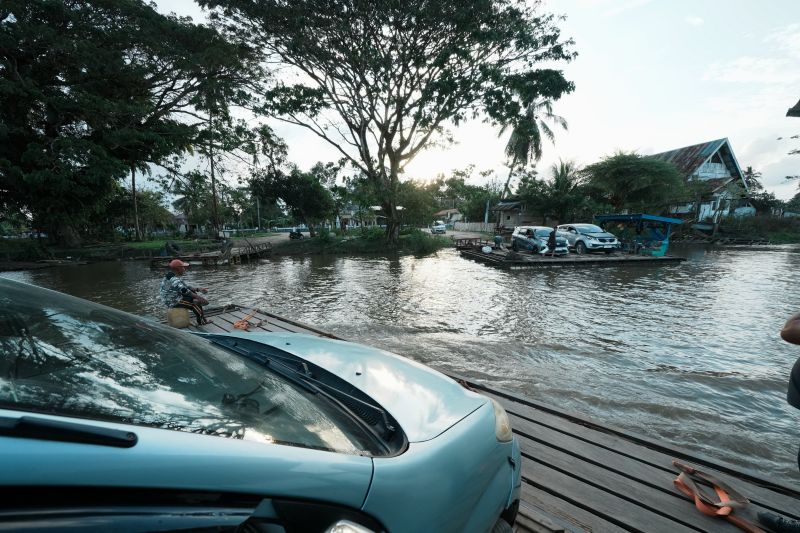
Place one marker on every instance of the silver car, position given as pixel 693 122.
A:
pixel 589 238
pixel 535 238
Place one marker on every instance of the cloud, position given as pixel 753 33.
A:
pixel 694 20
pixel 749 69
pixel 786 39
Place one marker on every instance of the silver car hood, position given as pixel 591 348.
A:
pixel 601 234
pixel 423 401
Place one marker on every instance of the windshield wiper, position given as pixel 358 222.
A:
pixel 30 427
pixel 298 372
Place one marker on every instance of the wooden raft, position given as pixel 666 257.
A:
pixel 579 475
pixel 498 258
pixel 236 255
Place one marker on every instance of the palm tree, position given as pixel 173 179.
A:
pixel 752 179
pixel 525 142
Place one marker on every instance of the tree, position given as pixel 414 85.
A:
pixel 91 92
pixel 752 179
pixel 303 193
pixel 632 181
pixel 525 142
pixel 381 81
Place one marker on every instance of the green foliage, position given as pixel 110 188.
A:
pixel 369 241
pixel 634 182
pixel 525 142
pixel 385 78
pixel 778 230
pixel 563 197
pixel 91 91
pixel 303 193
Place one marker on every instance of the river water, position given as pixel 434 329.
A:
pixel 686 353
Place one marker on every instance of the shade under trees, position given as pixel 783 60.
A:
pixel 381 81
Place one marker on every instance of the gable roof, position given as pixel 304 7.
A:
pixel 690 158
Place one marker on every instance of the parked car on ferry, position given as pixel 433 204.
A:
pixel 438 227
pixel 535 238
pixel 109 421
pixel 589 238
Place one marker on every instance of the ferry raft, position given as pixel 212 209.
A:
pixel 473 248
pixel 579 475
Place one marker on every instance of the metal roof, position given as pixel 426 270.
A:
pixel 689 158
pixel 507 206
pixel 636 217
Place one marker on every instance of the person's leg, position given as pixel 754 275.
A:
pixel 187 303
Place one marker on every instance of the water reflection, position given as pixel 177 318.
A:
pixel 687 353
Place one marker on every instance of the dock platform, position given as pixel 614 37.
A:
pixel 233 256
pixel 579 475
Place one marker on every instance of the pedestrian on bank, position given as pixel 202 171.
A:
pixel 175 293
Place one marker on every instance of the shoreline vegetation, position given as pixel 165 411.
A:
pixel 25 254
pixel 28 254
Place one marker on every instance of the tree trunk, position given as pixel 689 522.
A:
pixel 214 214
pixel 137 234
pixel 392 222
pixel 506 189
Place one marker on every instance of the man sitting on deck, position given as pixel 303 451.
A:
pixel 789 333
pixel 175 293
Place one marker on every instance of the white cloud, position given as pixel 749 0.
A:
pixel 786 39
pixel 694 20
pixel 749 69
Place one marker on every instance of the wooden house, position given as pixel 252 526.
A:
pixel 714 177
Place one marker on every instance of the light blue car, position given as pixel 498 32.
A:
pixel 113 422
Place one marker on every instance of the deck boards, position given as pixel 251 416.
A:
pixel 580 475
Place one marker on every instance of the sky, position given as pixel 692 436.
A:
pixel 650 76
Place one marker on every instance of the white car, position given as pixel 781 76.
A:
pixel 438 227
pixel 589 238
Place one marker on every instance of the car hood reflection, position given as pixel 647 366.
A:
pixel 424 401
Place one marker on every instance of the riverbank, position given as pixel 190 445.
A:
pixel 413 241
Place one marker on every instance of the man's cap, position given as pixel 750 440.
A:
pixel 177 263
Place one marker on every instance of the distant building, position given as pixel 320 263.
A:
pixel 714 174
pixel 448 215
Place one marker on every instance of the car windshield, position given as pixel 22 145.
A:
pixel 65 356
pixel 542 232
pixel 588 228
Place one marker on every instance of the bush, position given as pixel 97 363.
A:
pixel 22 250
pixel 776 229
pixel 420 242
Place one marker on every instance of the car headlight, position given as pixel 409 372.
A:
pixel 346 526
pixel 502 426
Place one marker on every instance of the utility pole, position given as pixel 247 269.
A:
pixel 258 212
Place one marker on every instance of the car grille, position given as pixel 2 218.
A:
pixel 605 239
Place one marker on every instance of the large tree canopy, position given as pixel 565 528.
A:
pixel 381 81
pixel 632 181
pixel 91 90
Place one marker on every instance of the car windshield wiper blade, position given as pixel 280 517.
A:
pixel 31 427
pixel 298 372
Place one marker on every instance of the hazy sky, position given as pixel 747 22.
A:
pixel 651 75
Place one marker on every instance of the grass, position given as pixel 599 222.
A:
pixel 369 241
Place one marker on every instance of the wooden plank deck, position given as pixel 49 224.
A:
pixel 498 258
pixel 579 475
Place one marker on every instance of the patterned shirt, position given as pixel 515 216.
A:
pixel 173 289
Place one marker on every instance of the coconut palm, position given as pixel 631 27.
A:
pixel 525 142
